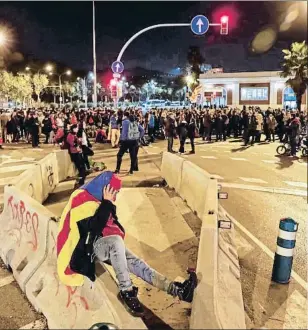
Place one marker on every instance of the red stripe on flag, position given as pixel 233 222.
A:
pixel 64 233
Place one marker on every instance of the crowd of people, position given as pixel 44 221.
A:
pixel 126 129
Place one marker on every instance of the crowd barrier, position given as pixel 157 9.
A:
pixel 23 234
pixel 200 191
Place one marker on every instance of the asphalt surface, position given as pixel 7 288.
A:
pixel 247 169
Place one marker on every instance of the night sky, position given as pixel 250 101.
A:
pixel 62 31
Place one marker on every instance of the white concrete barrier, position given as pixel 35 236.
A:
pixel 31 182
pixel 65 166
pixel 23 234
pixel 194 187
pixel 171 170
pixel 217 302
pixel 49 173
pixel 76 307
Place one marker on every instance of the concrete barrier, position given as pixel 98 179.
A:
pixel 65 166
pixel 218 302
pixel 23 234
pixel 194 187
pixel 171 170
pixel 30 182
pixel 49 173
pixel 76 307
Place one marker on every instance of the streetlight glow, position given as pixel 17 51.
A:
pixel 68 72
pixel 48 68
pixel 3 38
pixel 189 79
pixel 27 68
pixel 224 19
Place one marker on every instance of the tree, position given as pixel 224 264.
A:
pixel 22 88
pixel 40 82
pixel 6 83
pixel 295 67
pixel 195 59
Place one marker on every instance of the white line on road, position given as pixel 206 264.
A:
pixel 209 157
pixel 272 190
pixel 6 280
pixel 254 180
pixel 270 161
pixel 241 159
pixel 263 247
pixel 296 184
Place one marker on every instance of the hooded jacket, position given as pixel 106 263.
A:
pixel 83 219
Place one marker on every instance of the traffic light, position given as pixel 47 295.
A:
pixel 224 23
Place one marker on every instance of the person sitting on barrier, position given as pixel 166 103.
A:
pixel 89 228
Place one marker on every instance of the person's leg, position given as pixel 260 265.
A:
pixel 273 135
pixel 120 154
pixel 133 155
pixel 33 140
pixel 142 270
pixel 192 143
pixel 113 138
pixel 253 135
pixel 136 167
pixel 112 248
pixel 169 144
pixel 182 143
pixel 117 137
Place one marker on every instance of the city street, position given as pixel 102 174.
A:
pixel 262 189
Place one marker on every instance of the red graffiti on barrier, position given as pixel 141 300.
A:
pixel 25 220
pixel 71 299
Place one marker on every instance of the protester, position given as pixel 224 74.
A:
pixel 98 233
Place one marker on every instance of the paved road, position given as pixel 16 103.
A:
pixel 249 176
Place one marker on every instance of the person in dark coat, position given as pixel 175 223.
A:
pixel 182 132
pixel 47 127
pixel 34 127
pixel 191 133
pixel 219 124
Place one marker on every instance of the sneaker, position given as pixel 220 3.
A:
pixel 185 290
pixel 131 302
pixel 130 172
pixel 116 172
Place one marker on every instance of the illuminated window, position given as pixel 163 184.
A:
pixel 254 93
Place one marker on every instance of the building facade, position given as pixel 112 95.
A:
pixel 262 89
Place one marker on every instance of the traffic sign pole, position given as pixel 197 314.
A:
pixel 199 25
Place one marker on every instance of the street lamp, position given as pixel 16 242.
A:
pixel 48 68
pixel 3 38
pixel 67 72
pixel 27 68
pixel 189 79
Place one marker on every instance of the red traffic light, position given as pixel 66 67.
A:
pixel 224 25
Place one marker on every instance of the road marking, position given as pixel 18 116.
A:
pixel 34 325
pixel 6 280
pixel 270 161
pixel 264 248
pixel 227 151
pixel 241 159
pixel 209 157
pixel 216 176
pixel 272 190
pixel 296 184
pixel 254 180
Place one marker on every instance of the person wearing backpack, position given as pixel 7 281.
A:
pixel 132 131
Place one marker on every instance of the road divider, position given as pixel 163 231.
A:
pixel 218 302
pixel 23 235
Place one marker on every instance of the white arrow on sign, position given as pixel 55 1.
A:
pixel 117 66
pixel 200 23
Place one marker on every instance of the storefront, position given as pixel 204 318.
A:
pixel 262 89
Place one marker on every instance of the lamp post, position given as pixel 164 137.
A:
pixel 85 88
pixel 68 73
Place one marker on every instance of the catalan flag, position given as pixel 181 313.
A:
pixel 81 206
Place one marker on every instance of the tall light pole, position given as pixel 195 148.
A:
pixel 68 73
pixel 94 60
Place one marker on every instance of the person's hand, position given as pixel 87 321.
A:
pixel 109 193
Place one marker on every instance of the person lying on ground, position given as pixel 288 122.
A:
pixel 89 228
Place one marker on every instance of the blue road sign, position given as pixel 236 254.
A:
pixel 117 67
pixel 199 24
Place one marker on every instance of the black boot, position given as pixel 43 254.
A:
pixel 185 290
pixel 131 302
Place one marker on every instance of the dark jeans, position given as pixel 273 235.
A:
pixel 293 144
pixel 206 133
pixel 271 133
pixel 47 138
pixel 218 135
pixel 131 146
pixel 136 167
pixel 35 139
pixel 78 160
pixel 170 143
pixel 86 161
pixel 192 143
pixel 151 133
pixel 182 144
pixel 251 133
